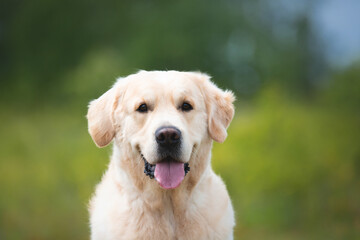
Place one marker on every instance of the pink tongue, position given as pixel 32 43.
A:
pixel 169 174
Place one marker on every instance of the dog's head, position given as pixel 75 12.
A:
pixel 163 117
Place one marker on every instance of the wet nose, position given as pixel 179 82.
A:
pixel 168 137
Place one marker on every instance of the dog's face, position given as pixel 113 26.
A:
pixel 163 116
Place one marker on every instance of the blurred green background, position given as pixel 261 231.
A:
pixel 292 158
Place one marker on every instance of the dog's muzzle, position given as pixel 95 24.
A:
pixel 169 171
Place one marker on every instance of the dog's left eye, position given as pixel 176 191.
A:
pixel 186 107
pixel 142 108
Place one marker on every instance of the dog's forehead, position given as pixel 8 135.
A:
pixel 162 84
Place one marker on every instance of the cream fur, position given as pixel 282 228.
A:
pixel 129 205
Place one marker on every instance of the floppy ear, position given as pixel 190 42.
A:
pixel 100 118
pixel 220 109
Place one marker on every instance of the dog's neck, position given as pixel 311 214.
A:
pixel 127 168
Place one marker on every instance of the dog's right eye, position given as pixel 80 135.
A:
pixel 142 108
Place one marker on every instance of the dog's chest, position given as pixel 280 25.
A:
pixel 165 222
pixel 153 215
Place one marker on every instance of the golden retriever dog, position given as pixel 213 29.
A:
pixel 159 183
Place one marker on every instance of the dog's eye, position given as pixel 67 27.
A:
pixel 142 108
pixel 186 107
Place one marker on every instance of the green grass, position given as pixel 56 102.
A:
pixel 292 170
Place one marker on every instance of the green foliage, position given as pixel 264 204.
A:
pixel 344 89
pixel 49 166
pixel 43 42
pixel 293 168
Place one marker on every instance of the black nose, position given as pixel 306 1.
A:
pixel 168 136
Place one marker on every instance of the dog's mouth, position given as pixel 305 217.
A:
pixel 169 173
